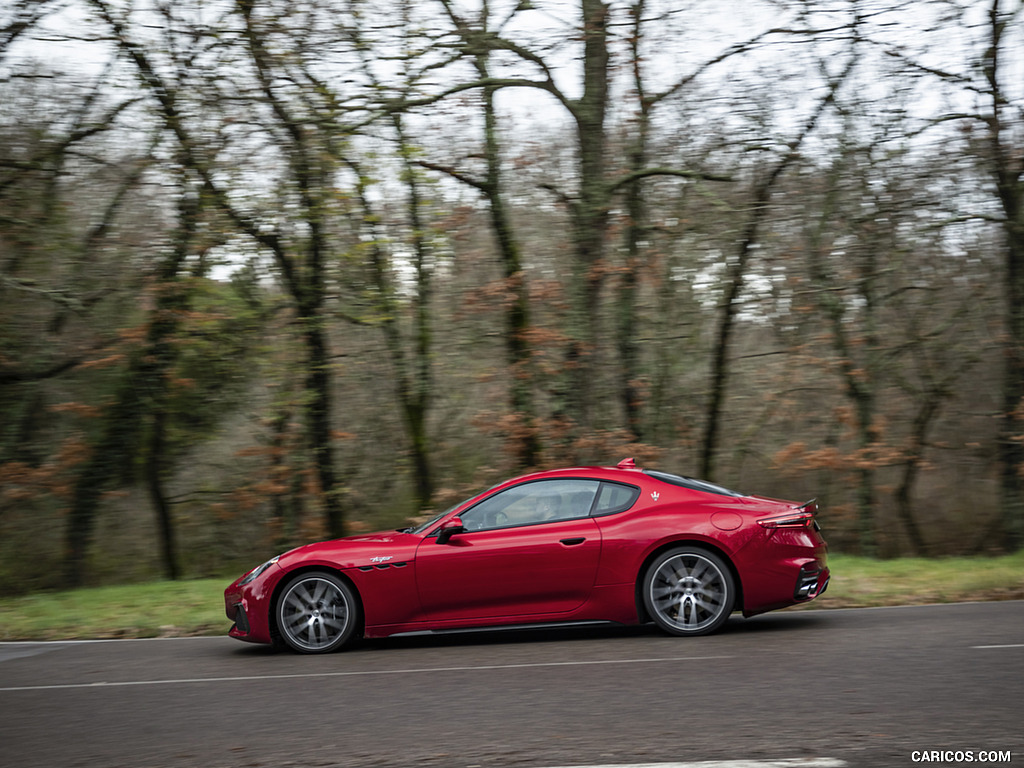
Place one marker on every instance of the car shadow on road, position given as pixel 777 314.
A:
pixel 776 622
pixel 509 636
pixel 737 626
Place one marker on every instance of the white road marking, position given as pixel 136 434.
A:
pixel 364 673
pixel 1015 645
pixel 98 640
pixel 797 762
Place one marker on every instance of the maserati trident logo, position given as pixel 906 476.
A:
pixel 380 559
pixel 655 495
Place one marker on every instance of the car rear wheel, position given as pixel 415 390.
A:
pixel 317 613
pixel 689 591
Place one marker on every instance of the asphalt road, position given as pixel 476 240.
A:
pixel 852 687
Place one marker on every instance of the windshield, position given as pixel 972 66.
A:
pixel 424 527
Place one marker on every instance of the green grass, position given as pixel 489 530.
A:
pixel 158 609
pixel 858 582
pixel 168 609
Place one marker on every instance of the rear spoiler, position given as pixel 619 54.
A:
pixel 800 517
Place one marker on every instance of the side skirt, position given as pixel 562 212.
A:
pixel 506 628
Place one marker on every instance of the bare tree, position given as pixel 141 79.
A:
pixel 492 186
pixel 760 200
pixel 299 125
pixel 1004 120
pixel 983 76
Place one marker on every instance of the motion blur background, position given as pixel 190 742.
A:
pixel 275 270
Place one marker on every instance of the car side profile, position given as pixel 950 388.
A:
pixel 580 545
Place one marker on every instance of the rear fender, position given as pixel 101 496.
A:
pixel 641 610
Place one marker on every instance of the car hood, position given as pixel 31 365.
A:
pixel 365 550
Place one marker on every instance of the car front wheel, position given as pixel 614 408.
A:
pixel 317 613
pixel 689 591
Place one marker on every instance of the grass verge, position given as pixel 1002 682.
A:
pixel 157 609
pixel 182 608
pixel 859 582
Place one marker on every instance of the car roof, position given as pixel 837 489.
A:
pixel 628 472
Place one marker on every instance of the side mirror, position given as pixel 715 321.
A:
pixel 449 529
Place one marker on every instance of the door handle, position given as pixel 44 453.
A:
pixel 573 542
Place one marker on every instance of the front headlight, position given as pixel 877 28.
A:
pixel 255 572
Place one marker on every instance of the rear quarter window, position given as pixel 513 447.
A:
pixel 614 497
pixel 690 482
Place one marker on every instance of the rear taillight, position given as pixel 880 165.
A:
pixel 798 518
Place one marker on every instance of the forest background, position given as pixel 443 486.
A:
pixel 276 270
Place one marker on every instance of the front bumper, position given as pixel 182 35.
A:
pixel 248 606
pixel 241 627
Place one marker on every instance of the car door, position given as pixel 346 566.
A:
pixel 531 549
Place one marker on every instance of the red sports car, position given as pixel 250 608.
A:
pixel 569 546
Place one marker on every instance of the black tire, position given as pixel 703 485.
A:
pixel 689 591
pixel 317 613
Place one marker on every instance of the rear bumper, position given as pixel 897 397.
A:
pixel 786 567
pixel 782 584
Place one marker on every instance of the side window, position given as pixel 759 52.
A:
pixel 541 501
pixel 615 498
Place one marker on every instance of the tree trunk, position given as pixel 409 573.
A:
pixel 636 224
pixel 318 420
pixel 1008 169
pixel 154 484
pixel 112 455
pixel 420 390
pixel 590 214
pixel 730 305
pixel 517 316
pixel 904 506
